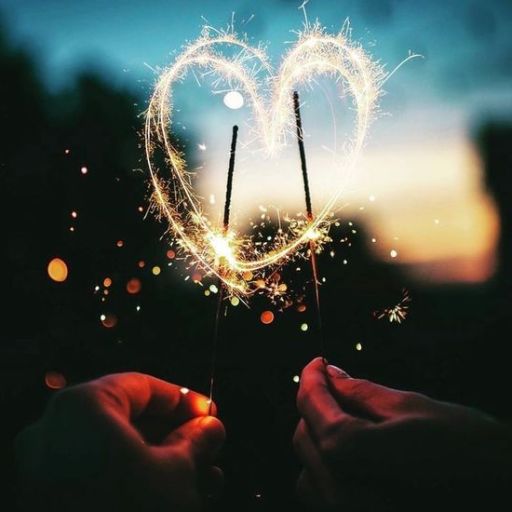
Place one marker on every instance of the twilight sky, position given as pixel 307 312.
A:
pixel 419 165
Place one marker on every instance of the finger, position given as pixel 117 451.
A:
pixel 309 455
pixel 365 398
pixel 133 394
pixel 200 439
pixel 315 400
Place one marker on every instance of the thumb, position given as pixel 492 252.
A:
pixel 366 398
pixel 200 439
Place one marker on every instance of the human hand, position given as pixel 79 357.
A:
pixel 126 441
pixel 368 447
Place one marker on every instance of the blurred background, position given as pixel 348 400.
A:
pixel 93 286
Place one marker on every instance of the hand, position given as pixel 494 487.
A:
pixel 367 447
pixel 122 442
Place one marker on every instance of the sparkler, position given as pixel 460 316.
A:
pixel 221 285
pixel 309 210
pixel 173 199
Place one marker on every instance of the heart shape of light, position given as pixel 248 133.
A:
pixel 230 256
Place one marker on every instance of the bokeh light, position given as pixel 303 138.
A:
pixel 58 270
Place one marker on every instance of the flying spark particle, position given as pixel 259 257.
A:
pixel 235 301
pixel 107 282
pixel 214 288
pixel 119 243
pixel 141 264
pixel 184 391
pixel 156 270
pixel 138 308
pixel 212 199
pixel 296 379
pixel 304 327
pixel 202 147
pixel 393 253
pixel 359 347
pixel 74 214
pixel 171 254
pixel 84 170
pixel 374 240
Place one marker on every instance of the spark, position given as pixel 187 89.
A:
pixel 315 52
pixel 398 312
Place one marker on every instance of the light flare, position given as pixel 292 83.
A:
pixel 230 256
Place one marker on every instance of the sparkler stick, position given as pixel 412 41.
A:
pixel 309 210
pixel 220 282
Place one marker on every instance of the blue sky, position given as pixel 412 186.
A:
pixel 466 43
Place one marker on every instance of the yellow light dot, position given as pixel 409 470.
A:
pixel 155 270
pixel 58 270
pixel 359 347
pixel 304 327
pixel 235 301
pixel 296 379
pixel 207 293
pixel 393 253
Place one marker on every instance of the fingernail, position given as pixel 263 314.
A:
pixel 336 372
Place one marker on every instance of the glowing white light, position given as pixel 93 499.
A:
pixel 393 253
pixel 233 100
pixel 296 379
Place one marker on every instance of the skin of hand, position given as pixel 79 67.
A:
pixel 126 441
pixel 364 446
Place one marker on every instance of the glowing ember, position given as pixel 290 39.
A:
pixel 133 286
pixel 109 320
pixel 58 270
pixel 54 380
pixel 107 282
pixel 267 317
pixel 156 270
